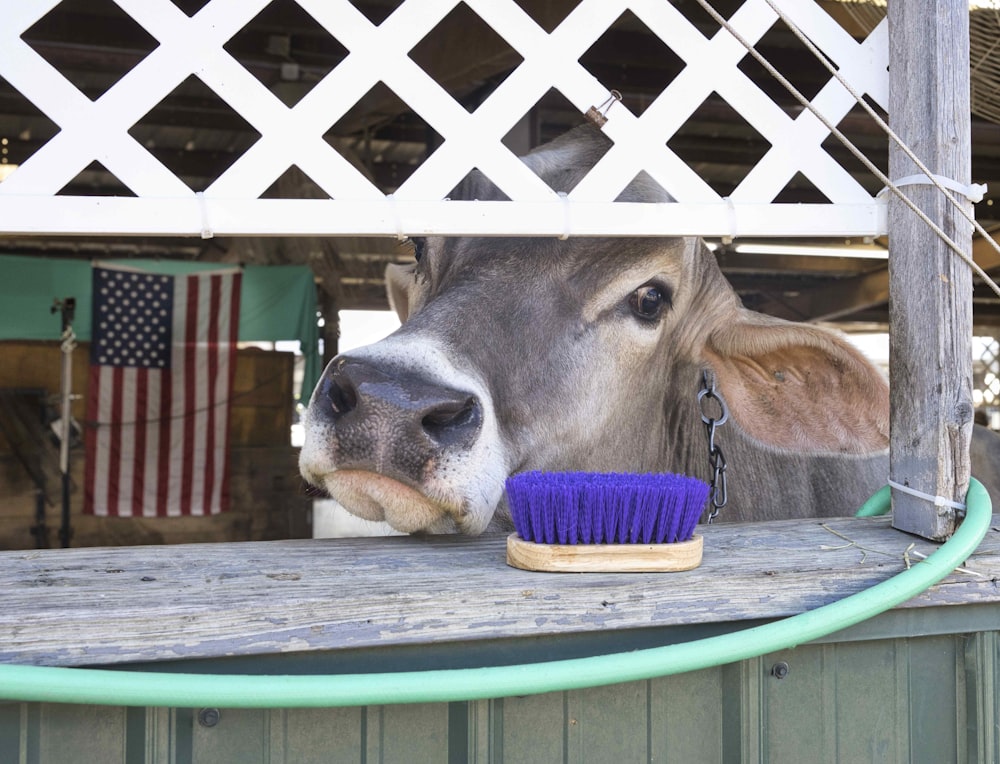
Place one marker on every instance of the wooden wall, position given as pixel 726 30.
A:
pixel 919 683
pixel 267 499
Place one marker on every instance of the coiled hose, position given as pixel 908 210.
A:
pixel 128 688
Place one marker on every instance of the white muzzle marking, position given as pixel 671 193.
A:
pixel 461 489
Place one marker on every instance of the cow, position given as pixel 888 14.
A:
pixel 593 354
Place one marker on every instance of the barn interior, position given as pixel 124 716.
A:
pixel 197 135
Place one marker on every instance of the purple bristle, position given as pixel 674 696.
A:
pixel 605 508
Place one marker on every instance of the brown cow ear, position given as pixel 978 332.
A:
pixel 800 387
pixel 398 283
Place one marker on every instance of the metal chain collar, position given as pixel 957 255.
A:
pixel 718 493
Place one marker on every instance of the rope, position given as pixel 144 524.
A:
pixel 882 177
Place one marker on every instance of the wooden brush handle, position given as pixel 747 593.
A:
pixel 604 558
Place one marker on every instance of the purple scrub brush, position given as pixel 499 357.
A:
pixel 586 521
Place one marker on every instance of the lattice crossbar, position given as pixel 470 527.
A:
pixel 293 135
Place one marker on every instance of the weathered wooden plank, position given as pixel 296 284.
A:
pixel 106 606
pixel 930 313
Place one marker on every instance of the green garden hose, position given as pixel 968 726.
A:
pixel 127 688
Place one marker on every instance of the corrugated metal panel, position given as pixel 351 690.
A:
pixel 982 681
pixel 921 699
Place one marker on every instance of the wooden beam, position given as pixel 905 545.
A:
pixel 832 301
pixel 732 262
pixel 459 54
pixel 843 17
pixel 930 314
pixel 255 599
pixel 986 256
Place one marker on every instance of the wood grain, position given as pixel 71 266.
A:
pixel 930 310
pixel 604 558
pixel 116 605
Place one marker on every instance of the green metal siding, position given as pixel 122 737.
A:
pixel 926 699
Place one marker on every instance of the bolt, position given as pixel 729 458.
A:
pixel 779 670
pixel 209 717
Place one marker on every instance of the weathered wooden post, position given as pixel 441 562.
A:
pixel 930 306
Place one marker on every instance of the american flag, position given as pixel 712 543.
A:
pixel 163 352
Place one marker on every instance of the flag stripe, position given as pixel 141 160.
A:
pixel 90 440
pixel 164 429
pixel 151 412
pixel 102 437
pixel 115 446
pixel 126 454
pixel 161 377
pixel 202 402
pixel 227 356
pixel 172 475
pixel 227 376
pixel 189 313
pixel 213 370
pixel 139 462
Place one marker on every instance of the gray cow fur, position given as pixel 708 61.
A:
pixel 520 354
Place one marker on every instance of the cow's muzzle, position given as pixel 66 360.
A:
pixel 395 432
pixel 394 423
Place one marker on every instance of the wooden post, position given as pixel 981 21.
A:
pixel 930 316
pixel 330 309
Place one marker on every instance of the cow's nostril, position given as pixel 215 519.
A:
pixel 341 394
pixel 453 422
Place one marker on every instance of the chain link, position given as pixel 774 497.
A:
pixel 68 344
pixel 718 491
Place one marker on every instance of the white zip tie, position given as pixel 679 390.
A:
pixel 206 228
pixel 731 215
pixel 564 199
pixel 974 192
pixel 938 501
pixel 397 222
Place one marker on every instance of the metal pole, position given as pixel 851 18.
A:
pixel 67 308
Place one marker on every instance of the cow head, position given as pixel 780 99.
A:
pixel 582 354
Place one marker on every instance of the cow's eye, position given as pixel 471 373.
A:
pixel 649 301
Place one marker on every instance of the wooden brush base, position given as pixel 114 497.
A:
pixel 604 558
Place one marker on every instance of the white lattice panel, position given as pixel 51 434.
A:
pixel 98 130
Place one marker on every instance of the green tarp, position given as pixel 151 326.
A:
pixel 277 302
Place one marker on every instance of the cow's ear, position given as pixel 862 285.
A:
pixel 799 387
pixel 399 283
